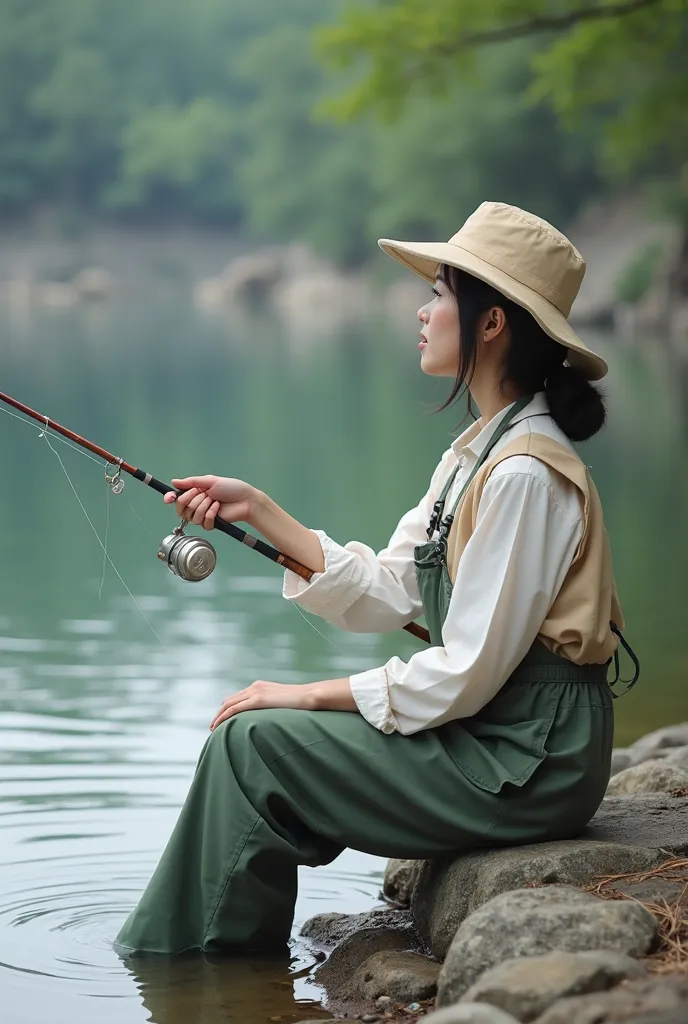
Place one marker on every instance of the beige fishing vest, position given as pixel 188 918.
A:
pixel 577 624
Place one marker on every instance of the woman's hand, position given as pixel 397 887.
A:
pixel 263 694
pixel 206 497
pixel 325 695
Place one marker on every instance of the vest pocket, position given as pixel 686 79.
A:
pixel 505 742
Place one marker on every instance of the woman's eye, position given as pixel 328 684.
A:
pixel 435 292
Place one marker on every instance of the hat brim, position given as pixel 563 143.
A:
pixel 424 258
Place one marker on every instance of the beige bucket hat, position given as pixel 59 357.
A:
pixel 523 257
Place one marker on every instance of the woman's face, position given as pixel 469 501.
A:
pixel 439 342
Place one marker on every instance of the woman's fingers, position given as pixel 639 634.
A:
pixel 236 698
pixel 195 506
pixel 203 483
pixel 209 519
pixel 243 700
pixel 183 500
pixel 199 509
pixel 192 505
pixel 244 705
pixel 228 705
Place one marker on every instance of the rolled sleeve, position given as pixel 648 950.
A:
pixel 371 693
pixel 332 592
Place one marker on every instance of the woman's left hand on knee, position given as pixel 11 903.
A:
pixel 263 694
pixel 324 695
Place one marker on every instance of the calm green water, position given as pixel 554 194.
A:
pixel 101 720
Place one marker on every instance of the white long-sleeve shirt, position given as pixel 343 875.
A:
pixel 529 524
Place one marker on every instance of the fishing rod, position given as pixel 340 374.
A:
pixel 190 558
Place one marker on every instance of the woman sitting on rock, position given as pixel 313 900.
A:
pixel 500 732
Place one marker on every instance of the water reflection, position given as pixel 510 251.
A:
pixel 215 990
pixel 102 717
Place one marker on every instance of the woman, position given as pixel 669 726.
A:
pixel 498 733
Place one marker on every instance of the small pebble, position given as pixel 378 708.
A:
pixel 383 1000
pixel 370 1018
pixel 413 1006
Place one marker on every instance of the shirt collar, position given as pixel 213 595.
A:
pixel 475 439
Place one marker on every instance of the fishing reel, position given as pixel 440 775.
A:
pixel 190 558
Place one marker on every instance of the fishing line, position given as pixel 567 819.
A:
pixel 313 626
pixel 79 451
pixel 44 434
pixel 91 458
pixel 129 503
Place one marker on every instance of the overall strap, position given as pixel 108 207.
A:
pixel 505 425
pixel 438 507
pixel 629 683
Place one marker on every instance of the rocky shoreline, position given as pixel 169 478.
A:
pixel 592 930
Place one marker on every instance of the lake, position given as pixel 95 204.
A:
pixel 107 687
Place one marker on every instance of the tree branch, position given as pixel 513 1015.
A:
pixel 549 24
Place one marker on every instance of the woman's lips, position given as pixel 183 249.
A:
pixel 423 342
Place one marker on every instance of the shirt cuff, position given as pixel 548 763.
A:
pixel 369 690
pixel 332 592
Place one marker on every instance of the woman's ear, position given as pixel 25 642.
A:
pixel 494 322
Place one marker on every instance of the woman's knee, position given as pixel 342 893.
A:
pixel 255 728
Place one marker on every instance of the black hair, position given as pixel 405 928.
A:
pixel 534 361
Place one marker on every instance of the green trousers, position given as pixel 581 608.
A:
pixel 277 788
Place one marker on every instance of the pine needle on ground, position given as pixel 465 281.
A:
pixel 672 917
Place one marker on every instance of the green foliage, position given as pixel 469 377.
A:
pixel 636 278
pixel 627 71
pixel 177 155
pixel 634 69
pixel 485 140
pixel 213 111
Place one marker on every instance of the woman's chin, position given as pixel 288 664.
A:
pixel 432 367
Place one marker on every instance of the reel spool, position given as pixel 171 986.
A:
pixel 190 558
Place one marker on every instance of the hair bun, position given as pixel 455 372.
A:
pixel 576 405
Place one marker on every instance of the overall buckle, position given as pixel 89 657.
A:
pixel 437 510
pixel 445 527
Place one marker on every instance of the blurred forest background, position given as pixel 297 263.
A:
pixel 334 123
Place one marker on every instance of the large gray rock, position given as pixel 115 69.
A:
pixel 469 1013
pixel 336 974
pixel 647 747
pixel 655 776
pixel 400 879
pixel 331 929
pixel 529 922
pixel 404 976
pixel 651 822
pixel 447 891
pixel 527 986
pixel 627 1002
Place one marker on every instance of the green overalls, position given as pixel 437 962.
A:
pixel 277 788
